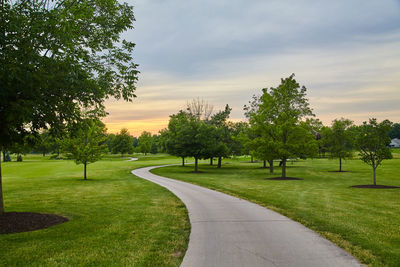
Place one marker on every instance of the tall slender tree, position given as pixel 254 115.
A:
pixel 339 140
pixel 86 144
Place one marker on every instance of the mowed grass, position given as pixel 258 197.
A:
pixel 116 219
pixel 365 222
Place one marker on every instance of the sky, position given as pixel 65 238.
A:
pixel 345 52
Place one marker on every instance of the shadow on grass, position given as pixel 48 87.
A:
pixel 283 179
pixel 375 186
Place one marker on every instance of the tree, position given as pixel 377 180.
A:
pixel 235 129
pixel 87 144
pixel 110 141
pixel 24 147
pixel 176 136
pixel 395 131
pixel 188 136
pixel 372 140
pixel 222 135
pixel 145 142
pixel 155 146
pixel 281 113
pixel 339 139
pixel 123 143
pixel 58 57
pixel 246 138
pixel 200 109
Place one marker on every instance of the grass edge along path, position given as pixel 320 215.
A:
pixel 115 218
pixel 362 221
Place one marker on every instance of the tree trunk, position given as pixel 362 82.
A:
pixel 84 172
pixel 283 168
pixel 264 163
pixel 374 170
pixel 271 166
pixel 251 158
pixel 219 162
pixel 1 193
pixel 44 154
pixel 183 161
pixel 211 161
pixel 196 169
pixel 340 164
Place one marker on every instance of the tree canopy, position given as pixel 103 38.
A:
pixel 372 140
pixel 59 57
pixel 145 142
pixel 87 143
pixel 339 139
pixel 280 116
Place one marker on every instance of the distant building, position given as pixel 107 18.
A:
pixel 395 143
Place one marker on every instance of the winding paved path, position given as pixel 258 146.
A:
pixel 228 231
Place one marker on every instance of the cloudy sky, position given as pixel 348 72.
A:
pixel 346 52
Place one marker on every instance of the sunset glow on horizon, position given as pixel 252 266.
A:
pixel 344 52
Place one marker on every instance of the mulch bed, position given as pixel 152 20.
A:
pixel 374 186
pixel 283 179
pixel 17 222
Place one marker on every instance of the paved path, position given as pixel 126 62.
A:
pixel 228 231
pixel 132 159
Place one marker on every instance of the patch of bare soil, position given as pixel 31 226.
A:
pixel 283 179
pixel 374 186
pixel 17 222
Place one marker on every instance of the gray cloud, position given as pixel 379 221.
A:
pixel 345 52
pixel 183 37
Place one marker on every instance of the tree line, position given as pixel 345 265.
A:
pixel 281 127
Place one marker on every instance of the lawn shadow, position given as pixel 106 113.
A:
pixel 375 186
pixel 283 179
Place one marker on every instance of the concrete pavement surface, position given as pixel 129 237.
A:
pixel 228 231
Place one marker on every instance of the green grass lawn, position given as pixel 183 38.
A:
pixel 116 219
pixel 366 222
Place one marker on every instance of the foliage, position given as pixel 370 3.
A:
pixel 123 142
pixel 339 139
pixel 200 109
pixel 57 58
pixel 395 131
pixel 373 140
pixel 87 143
pixel 223 136
pixel 145 142
pixel 188 136
pixel 236 129
pixel 279 116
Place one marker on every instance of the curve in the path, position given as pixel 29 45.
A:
pixel 228 231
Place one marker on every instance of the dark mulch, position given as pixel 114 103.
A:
pixel 17 222
pixel 338 171
pixel 374 186
pixel 283 179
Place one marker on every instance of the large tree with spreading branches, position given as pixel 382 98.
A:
pixel 280 115
pixel 57 58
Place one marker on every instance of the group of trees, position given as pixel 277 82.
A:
pixel 198 133
pixel 281 126
pixel 124 143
